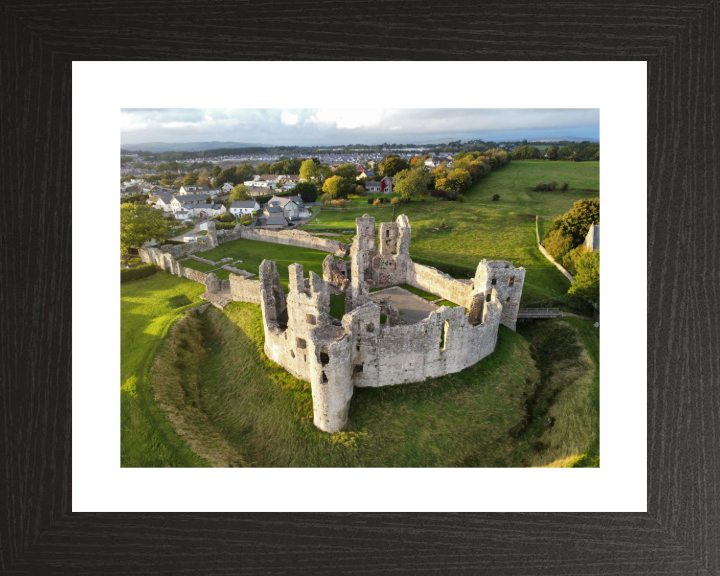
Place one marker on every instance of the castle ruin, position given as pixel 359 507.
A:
pixel 337 355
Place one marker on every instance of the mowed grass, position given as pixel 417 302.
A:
pixel 148 307
pixel 265 414
pixel 252 253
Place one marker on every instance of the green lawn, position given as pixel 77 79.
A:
pixel 252 253
pixel 148 307
pixel 265 414
pixel 199 266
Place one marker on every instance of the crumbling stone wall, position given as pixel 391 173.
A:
pixel 507 281
pixel 180 250
pixel 436 282
pixel 243 290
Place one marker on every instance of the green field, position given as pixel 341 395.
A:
pixel 252 253
pixel 493 414
pixel 148 307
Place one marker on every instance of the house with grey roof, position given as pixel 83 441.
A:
pixel 290 208
pixel 180 201
pixel 240 207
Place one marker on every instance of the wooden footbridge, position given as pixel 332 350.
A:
pixel 528 313
pixel 533 313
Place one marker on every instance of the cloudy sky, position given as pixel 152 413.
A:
pixel 353 126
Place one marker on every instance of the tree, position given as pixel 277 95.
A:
pixel 393 165
pixel 411 182
pixel 359 190
pixel 576 222
pixel 240 192
pixel 263 168
pixel 190 179
pixel 461 180
pixel 216 171
pixel 139 224
pixel 203 181
pixel 551 153
pixel 225 176
pixel 587 279
pixel 347 171
pixel 243 173
pixel 306 190
pixel 245 219
pixel 496 197
pixel 526 153
pixel 337 187
pixel 310 171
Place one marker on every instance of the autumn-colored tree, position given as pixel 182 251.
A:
pixel 191 179
pixel 411 182
pixel 337 187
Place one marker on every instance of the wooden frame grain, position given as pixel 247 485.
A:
pixel 680 534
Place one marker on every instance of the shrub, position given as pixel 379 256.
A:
pixel 442 224
pixel 227 217
pixel 438 193
pixel 564 187
pixel 370 200
pixel 128 274
pixel 395 201
pixel 360 190
pixel 135 261
pixel 246 219
pixel 570 259
pixel 558 244
pixel 496 197
pixel 543 187
pixel 460 198
pixel 377 201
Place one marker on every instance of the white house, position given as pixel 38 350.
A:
pixel 240 207
pixel 228 186
pixel 180 201
pixel 204 210
pixel 181 214
pixel 372 186
pixel 206 190
pixel 260 184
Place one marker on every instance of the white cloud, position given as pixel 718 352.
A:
pixel 289 118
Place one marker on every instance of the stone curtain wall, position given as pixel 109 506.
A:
pixel 432 280
pixel 180 250
pixel 295 238
pixel 243 290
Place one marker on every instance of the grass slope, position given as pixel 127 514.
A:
pixel 148 307
pixel 265 414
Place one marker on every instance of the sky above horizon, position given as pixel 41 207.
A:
pixel 326 126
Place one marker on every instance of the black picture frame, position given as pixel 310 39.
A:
pixel 680 533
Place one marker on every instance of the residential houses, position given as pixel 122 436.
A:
pixel 190 190
pixel 366 174
pixel 204 210
pixel 384 186
pixel 240 207
pixel 180 201
pixel 227 187
pixel 162 202
pixel 290 208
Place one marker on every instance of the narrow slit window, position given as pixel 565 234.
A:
pixel 301 343
pixel 494 281
pixel 487 298
pixel 512 281
pixel 311 319
pixel 324 377
pixel 387 233
pixel 324 358
pixel 358 368
pixel 292 353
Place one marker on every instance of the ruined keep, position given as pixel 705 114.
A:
pixel 337 355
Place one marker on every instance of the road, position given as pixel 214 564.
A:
pixel 192 232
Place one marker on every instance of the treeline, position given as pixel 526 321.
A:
pixel 575 152
pixel 565 243
pixel 412 180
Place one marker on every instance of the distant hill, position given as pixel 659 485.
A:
pixel 566 139
pixel 189 146
pixel 440 141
